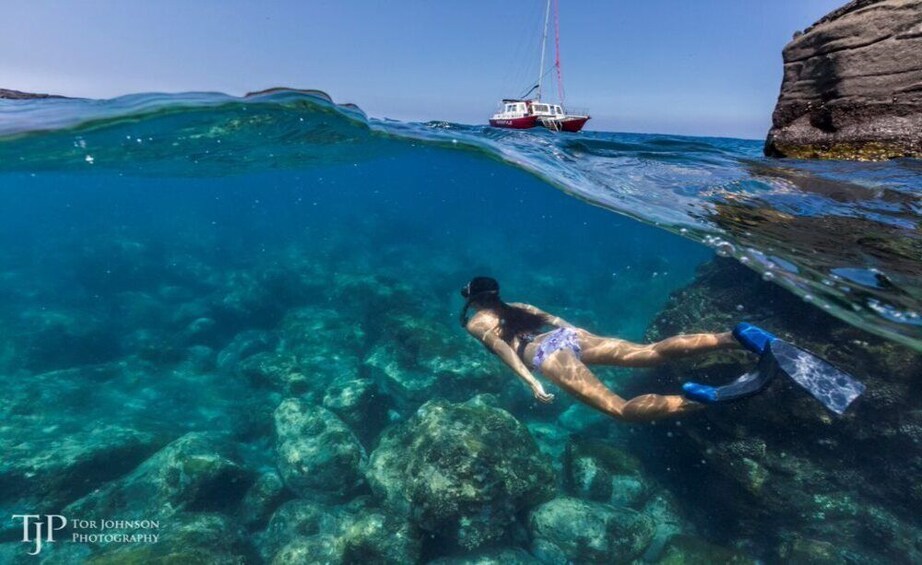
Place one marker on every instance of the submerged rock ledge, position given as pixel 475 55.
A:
pixel 852 86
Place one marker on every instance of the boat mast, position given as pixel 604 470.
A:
pixel 547 16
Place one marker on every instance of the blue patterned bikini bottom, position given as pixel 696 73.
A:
pixel 563 338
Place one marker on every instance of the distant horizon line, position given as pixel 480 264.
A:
pixel 15 94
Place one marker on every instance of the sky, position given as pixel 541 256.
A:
pixel 693 67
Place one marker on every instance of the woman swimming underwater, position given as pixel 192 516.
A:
pixel 513 333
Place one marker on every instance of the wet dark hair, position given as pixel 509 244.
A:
pixel 514 320
pixel 477 288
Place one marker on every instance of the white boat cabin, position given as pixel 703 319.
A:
pixel 511 109
pixel 543 110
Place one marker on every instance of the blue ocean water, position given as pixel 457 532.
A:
pixel 174 264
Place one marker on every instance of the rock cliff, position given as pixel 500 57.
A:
pixel 852 86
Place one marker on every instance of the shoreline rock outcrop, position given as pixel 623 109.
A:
pixel 8 94
pixel 852 86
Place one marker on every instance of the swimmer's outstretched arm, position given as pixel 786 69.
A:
pixel 509 357
pixel 549 319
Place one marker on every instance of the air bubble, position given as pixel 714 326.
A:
pixel 725 249
pixel 768 276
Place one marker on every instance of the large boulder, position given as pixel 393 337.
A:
pixel 570 530
pixel 318 455
pixel 198 472
pixel 460 471
pixel 302 531
pixel 851 85
pixel 43 472
pixel 597 471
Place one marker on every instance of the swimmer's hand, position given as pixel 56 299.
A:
pixel 542 396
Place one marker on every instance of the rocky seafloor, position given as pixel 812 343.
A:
pixel 306 411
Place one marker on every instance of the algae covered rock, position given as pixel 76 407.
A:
pixel 261 500
pixel 360 404
pixel 460 471
pixel 419 359
pixel 197 472
pixel 45 473
pixel 317 453
pixel 687 550
pixel 572 530
pixel 302 531
pixel 597 471
pixel 188 538
pixel 493 556
pixel 380 538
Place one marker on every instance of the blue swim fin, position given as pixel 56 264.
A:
pixel 834 388
pixel 747 385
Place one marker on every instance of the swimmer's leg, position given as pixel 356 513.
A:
pixel 570 374
pixel 597 350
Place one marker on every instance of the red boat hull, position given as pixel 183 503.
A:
pixel 524 122
pixel 571 124
pixel 574 124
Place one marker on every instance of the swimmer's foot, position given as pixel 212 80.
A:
pixel 749 384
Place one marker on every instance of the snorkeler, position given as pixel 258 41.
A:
pixel 513 333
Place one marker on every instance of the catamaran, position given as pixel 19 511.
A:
pixel 525 112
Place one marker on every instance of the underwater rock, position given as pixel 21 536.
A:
pixel 344 533
pixel 300 520
pixel 198 472
pixel 572 530
pixel 380 538
pixel 56 339
pixel 501 556
pixel 43 474
pixel 184 538
pixel 263 498
pixel 552 441
pixel 360 404
pixel 324 345
pixel 581 419
pixel 597 471
pixel 244 345
pixel 460 471
pixel 317 453
pixel 320 549
pixel 687 550
pixel 419 359
pixel 851 85
pixel 278 372
pixel 780 456
pixel 663 509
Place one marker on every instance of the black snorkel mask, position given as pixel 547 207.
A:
pixel 476 288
